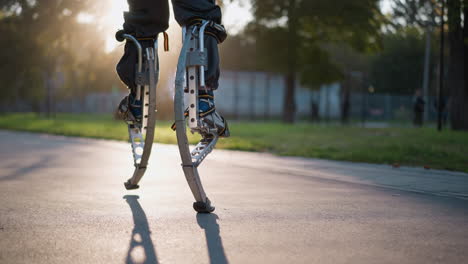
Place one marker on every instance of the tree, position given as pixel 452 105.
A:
pixel 291 35
pixel 425 13
pixel 421 13
pixel 458 42
pixel 48 41
pixel 399 67
pixel 355 67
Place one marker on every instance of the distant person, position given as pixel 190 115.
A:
pixel 418 108
pixel 145 20
pixel 314 111
pixel 444 108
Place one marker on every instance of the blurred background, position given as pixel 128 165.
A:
pixel 370 62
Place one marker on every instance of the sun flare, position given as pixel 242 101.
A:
pixel 112 21
pixel 235 16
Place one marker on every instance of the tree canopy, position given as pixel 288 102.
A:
pixel 398 68
pixel 42 40
pixel 318 23
pixel 291 38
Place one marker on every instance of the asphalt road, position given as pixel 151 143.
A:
pixel 63 201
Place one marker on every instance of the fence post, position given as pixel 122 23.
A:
pixel 236 95
pixel 267 97
pixel 252 95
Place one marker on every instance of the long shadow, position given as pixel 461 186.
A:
pixel 23 171
pixel 213 239
pixel 141 234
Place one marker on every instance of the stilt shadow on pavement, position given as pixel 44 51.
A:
pixel 141 234
pixel 213 239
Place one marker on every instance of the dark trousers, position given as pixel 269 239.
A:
pixel 148 18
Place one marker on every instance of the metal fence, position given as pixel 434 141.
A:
pixel 260 96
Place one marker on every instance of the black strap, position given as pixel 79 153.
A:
pixel 213 29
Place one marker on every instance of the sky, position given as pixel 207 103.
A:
pixel 235 16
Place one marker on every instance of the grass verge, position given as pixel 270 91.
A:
pixel 405 146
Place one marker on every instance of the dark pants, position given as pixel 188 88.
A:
pixel 148 18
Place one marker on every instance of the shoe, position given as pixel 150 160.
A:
pixel 135 107
pixel 209 116
pixel 129 110
pixel 205 101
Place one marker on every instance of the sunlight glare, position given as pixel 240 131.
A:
pixel 112 21
pixel 114 15
pixel 386 6
pixel 237 15
pixel 85 18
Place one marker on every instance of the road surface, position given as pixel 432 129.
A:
pixel 63 201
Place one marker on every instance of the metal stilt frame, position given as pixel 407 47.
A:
pixel 142 133
pixel 190 78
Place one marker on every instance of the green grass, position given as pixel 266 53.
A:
pixel 406 146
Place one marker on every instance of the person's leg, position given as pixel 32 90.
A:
pixel 185 11
pixel 186 14
pixel 144 20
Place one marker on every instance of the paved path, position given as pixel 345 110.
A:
pixel 63 201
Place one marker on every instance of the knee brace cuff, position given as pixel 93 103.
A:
pixel 213 29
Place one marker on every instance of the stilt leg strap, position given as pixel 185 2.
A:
pixel 186 114
pixel 210 111
pixel 166 41
pixel 213 29
pixel 206 96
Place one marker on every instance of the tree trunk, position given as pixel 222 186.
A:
pixel 465 66
pixel 345 100
pixel 456 84
pixel 289 107
pixel 465 38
